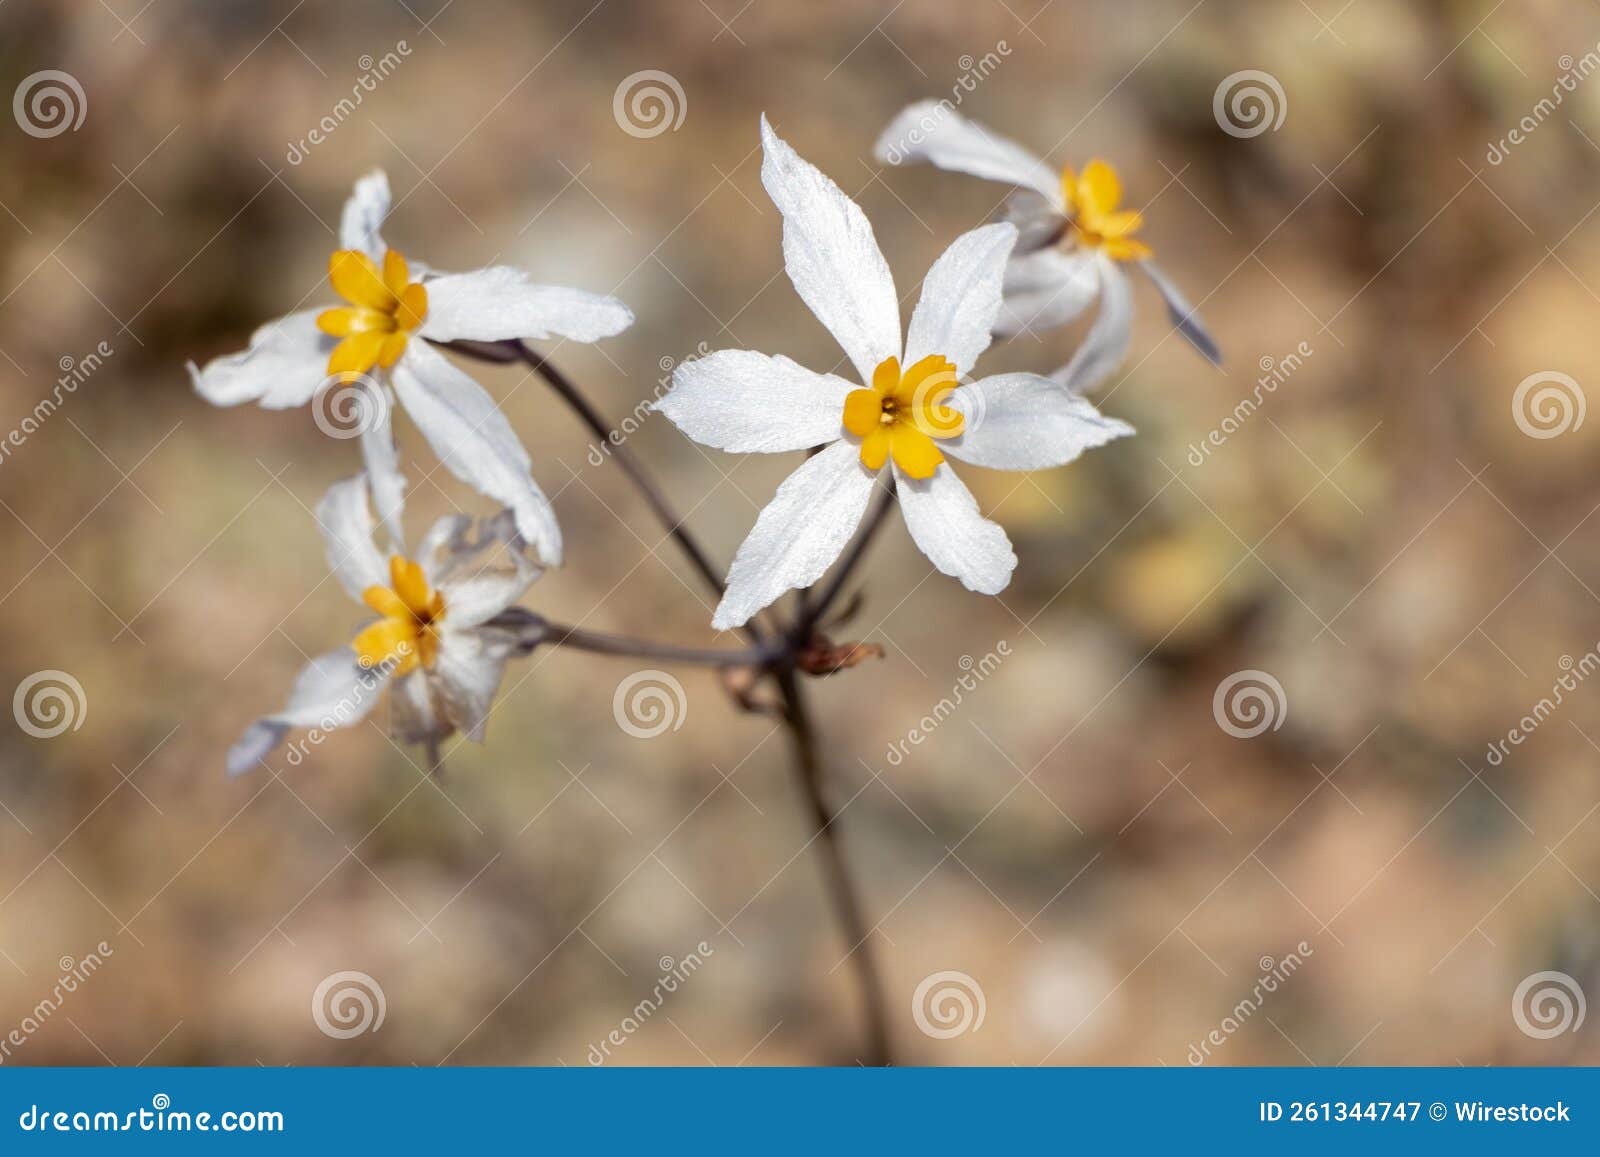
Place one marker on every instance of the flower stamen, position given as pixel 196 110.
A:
pixel 385 307
pixel 1097 223
pixel 901 414
pixel 411 614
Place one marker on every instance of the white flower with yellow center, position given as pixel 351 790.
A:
pixel 908 413
pixel 430 647
pixel 1075 236
pixel 382 334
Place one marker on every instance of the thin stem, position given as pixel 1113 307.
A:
pixel 775 656
pixel 605 644
pixel 815 610
pixel 568 391
pixel 808 767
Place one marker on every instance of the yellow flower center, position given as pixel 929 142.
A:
pixel 901 414
pixel 411 614
pixel 384 308
pixel 1092 197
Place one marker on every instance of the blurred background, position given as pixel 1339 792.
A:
pixel 1098 849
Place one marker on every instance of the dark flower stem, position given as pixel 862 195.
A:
pixel 858 937
pixel 531 632
pixel 580 405
pixel 813 610
pixel 775 656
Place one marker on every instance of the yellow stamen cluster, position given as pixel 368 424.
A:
pixel 411 613
pixel 1093 196
pixel 385 307
pixel 902 414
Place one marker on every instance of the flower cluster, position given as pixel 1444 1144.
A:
pixel 438 641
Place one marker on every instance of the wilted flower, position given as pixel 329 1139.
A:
pixel 381 335
pixel 910 408
pixel 1075 236
pixel 430 645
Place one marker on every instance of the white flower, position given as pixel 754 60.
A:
pixel 291 358
pixel 1074 235
pixel 430 646
pixel 742 401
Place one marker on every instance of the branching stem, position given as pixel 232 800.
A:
pixel 775 657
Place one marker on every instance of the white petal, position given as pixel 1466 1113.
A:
pixel 363 216
pixel 799 534
pixel 346 525
pixel 383 462
pixel 1038 219
pixel 333 690
pixel 414 712
pixel 465 677
pixel 474 441
pixel 501 303
pixel 1026 422
pixel 1183 314
pixel 960 298
pixel 286 362
pixel 444 538
pixel 943 519
pixel 933 131
pixel 832 256
pixel 478 591
pixel 1046 289
pixel 1102 351
pixel 746 402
